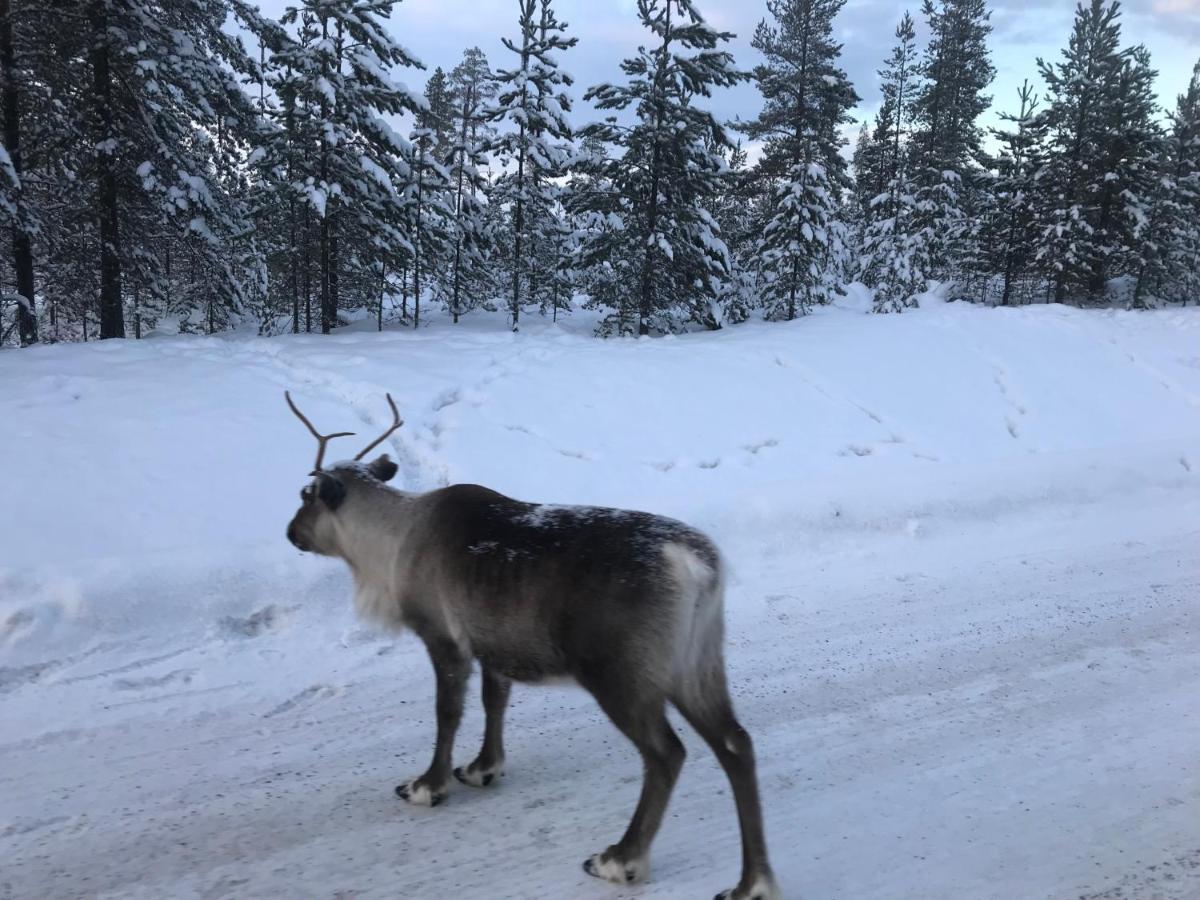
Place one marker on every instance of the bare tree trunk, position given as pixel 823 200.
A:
pixel 330 316
pixel 22 245
pixel 519 209
pixel 292 266
pixel 325 317
pixel 518 228
pixel 112 316
pixel 306 261
pixel 334 268
pixel 382 292
pixel 403 292
pixel 468 101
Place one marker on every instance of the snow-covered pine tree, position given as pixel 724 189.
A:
pixel 667 174
pixel 894 259
pixel 357 172
pixel 50 44
pixel 946 146
pixel 868 167
pixel 1132 159
pixel 806 100
pixel 592 206
pixel 169 118
pixel 1011 231
pixel 533 101
pixel 430 216
pixel 15 211
pixel 1167 230
pixel 278 202
pixel 738 210
pixel 1101 134
pixel 472 86
pixel 946 150
pixel 1182 266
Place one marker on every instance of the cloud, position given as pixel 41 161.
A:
pixel 1170 7
pixel 439 30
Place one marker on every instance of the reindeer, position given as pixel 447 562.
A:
pixel 627 604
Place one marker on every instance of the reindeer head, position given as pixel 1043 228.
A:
pixel 314 527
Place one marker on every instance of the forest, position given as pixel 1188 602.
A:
pixel 197 166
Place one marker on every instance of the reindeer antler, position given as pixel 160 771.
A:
pixel 396 423
pixel 322 439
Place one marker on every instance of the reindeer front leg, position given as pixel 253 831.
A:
pixel 452 668
pixel 490 761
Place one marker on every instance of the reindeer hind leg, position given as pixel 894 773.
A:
pixel 643 720
pixel 709 710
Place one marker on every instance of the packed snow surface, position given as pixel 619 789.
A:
pixel 963 612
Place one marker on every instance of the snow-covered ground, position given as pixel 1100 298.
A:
pixel 964 614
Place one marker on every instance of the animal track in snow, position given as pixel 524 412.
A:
pixel 756 446
pixel 448 398
pixel 1011 422
pixel 127 667
pixel 178 676
pixel 269 618
pixel 306 696
pixel 13 677
pixel 856 450
pixel 17 624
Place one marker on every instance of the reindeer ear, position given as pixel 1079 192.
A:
pixel 383 468
pixel 330 491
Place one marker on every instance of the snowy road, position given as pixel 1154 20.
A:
pixel 1027 726
pixel 965 635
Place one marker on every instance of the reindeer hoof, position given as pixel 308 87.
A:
pixel 418 793
pixel 477 776
pixel 610 867
pixel 762 888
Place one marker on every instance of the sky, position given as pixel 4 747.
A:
pixel 608 30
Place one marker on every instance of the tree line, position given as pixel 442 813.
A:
pixel 198 163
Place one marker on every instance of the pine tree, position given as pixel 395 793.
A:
pixel 429 187
pixel 356 176
pixel 947 141
pixel 1011 231
pixel 1168 228
pixel 738 211
pixel 1182 267
pixel 895 259
pixel 472 87
pixel 533 99
pixel 168 121
pixel 807 98
pixel 13 206
pixel 655 231
pixel 1102 135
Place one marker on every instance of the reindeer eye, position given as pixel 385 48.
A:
pixel 306 493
